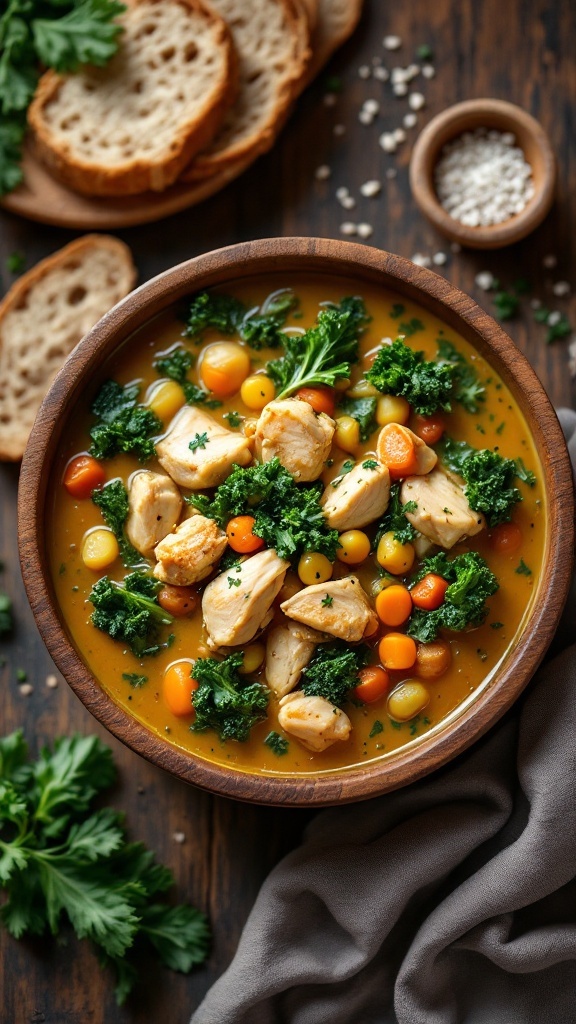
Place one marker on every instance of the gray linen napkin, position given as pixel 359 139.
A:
pixel 452 901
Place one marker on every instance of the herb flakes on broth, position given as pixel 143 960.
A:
pixel 300 532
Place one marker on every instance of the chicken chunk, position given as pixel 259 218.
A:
pixel 443 513
pixel 299 437
pixel 349 615
pixel 358 498
pixel 154 506
pixel 425 457
pixel 314 721
pixel 190 553
pixel 239 602
pixel 216 450
pixel 289 648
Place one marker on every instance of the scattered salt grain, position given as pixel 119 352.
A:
pixel 400 89
pixel 550 261
pixel 348 202
pixel 365 117
pixel 179 837
pixel 481 180
pixel 364 71
pixel 391 42
pixel 26 689
pixel 388 142
pixel 330 99
pixel 485 280
pixel 416 101
pixel 397 75
pixel 399 135
pixel 51 682
pixel 554 318
pixel 364 230
pixel 339 129
pixel 428 71
pixel 342 192
pixel 535 304
pixel 322 173
pixel 420 260
pixel 348 228
pixel 412 71
pixel 409 120
pixel 370 188
pixel 381 74
pixel 372 106
pixel 561 288
pixel 439 259
pixel 391 173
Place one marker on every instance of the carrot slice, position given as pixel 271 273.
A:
pixel 397 651
pixel 393 605
pixel 374 684
pixel 241 537
pixel 429 592
pixel 429 428
pixel 83 475
pixel 397 450
pixel 321 399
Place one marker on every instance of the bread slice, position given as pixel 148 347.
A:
pixel 271 38
pixel 311 10
pixel 44 315
pixel 135 124
pixel 336 21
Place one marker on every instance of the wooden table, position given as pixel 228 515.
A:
pixel 521 51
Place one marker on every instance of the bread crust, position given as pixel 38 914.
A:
pixel 25 377
pixel 218 157
pixel 140 173
pixel 335 23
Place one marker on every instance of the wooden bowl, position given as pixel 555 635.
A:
pixel 302 255
pixel 463 117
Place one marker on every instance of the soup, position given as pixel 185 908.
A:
pixel 354 477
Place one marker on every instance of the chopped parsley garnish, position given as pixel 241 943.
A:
pixel 200 441
pixel 21 675
pixel 327 601
pixel 397 310
pixel 524 474
pixel 6 615
pixel 288 516
pixel 523 569
pixel 130 612
pixel 496 625
pixel 424 52
pixel 123 425
pixel 394 519
pixel 278 744
pixel 134 679
pixel 333 671
pixel 15 262
pixel 363 410
pixel 324 353
pixel 175 365
pixel 232 582
pixel 469 391
pixel 64 860
pixel 370 464
pixel 224 700
pixel 234 418
pixel 471 582
pixel 410 327
pixel 426 385
pixel 259 327
pixel 112 500
pixel 376 729
pixel 506 305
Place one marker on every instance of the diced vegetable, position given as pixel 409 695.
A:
pixel 397 651
pixel 257 391
pixel 392 409
pixel 429 592
pixel 394 605
pixel 433 660
pixel 394 556
pixel 177 601
pixel 241 537
pixel 374 684
pixel 224 367
pixel 397 451
pixel 321 399
pixel 354 547
pixel 99 550
pixel 347 435
pixel 430 428
pixel 506 538
pixel 83 475
pixel 407 700
pixel 314 567
pixel 178 687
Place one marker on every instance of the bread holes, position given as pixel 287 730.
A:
pixel 190 52
pixel 168 53
pixel 76 295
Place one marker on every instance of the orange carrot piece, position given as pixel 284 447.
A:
pixel 429 592
pixel 83 475
pixel 374 684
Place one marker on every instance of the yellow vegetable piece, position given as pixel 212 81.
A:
pixel 100 548
pixel 363 389
pixel 354 547
pixel 224 367
pixel 314 568
pixel 257 391
pixel 347 434
pixel 253 657
pixel 407 700
pixel 166 400
pixel 392 409
pixel 393 556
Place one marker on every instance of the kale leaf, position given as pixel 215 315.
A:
pixel 175 365
pixel 6 615
pixel 324 353
pixel 471 582
pixel 288 516
pixel 394 519
pixel 488 477
pixel 129 612
pixel 112 500
pixel 224 701
pixel 469 391
pixel 259 327
pixel 124 425
pixel 63 860
pixel 364 411
pixel 278 744
pixel 426 385
pixel 333 671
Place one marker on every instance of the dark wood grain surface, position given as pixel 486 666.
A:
pixel 522 51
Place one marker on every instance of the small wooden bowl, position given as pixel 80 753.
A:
pixel 464 117
pixel 362 265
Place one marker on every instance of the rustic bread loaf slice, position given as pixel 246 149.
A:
pixel 335 22
pixel 135 124
pixel 44 315
pixel 271 38
pixel 311 9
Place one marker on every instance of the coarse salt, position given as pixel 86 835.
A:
pixel 370 188
pixel 416 101
pixel 428 71
pixel 342 192
pixel 348 202
pixel 485 280
pixel 420 260
pixel 322 173
pixel 381 74
pixel 550 261
pixel 330 99
pixel 372 106
pixel 409 120
pixel 365 117
pixel 348 228
pixel 51 682
pixel 339 129
pixel 439 259
pixel 364 230
pixel 391 42
pixel 561 288
pixel 388 142
pixel 364 71
pixel 26 689
pixel 482 180
pixel 400 89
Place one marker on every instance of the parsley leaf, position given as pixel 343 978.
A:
pixel 410 327
pixel 506 305
pixel 523 569
pixel 6 615
pixel 15 262
pixel 426 385
pixel 327 601
pixel 376 729
pixel 278 744
pixel 200 441
pixel 134 679
pixel 84 35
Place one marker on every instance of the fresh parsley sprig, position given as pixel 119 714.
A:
pixel 61 860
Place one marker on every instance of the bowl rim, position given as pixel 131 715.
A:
pixel 427 149
pixel 324 257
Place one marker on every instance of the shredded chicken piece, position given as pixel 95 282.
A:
pixel 190 553
pixel 238 603
pixel 314 721
pixel 338 607
pixel 215 450
pixel 154 506
pixel 291 430
pixel 443 513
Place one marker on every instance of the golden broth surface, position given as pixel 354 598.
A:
pixel 499 424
